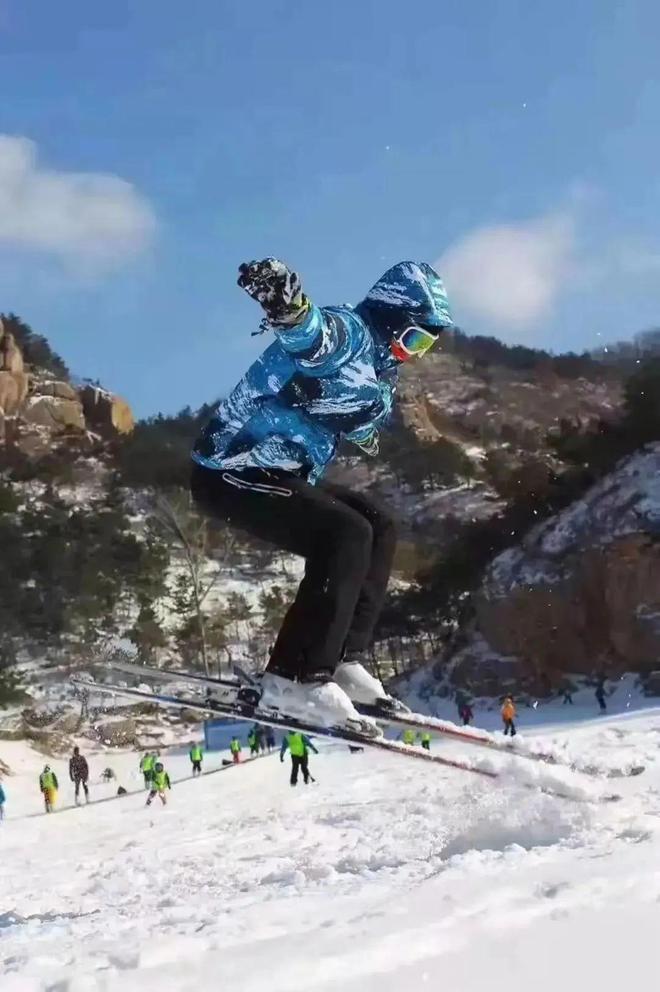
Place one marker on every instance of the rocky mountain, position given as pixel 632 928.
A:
pixel 39 412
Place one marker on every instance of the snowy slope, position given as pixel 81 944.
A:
pixel 382 876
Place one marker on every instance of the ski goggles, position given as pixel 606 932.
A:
pixel 412 342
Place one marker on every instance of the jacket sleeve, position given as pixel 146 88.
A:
pixel 71 769
pixel 55 781
pixel 285 744
pixel 317 343
pixel 310 745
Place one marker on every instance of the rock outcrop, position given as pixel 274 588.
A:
pixel 37 411
pixel 581 594
pixel 13 378
pixel 106 413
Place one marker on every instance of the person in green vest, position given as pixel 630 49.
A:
pixel 253 741
pixel 299 746
pixel 408 736
pixel 196 754
pixel 160 781
pixel 235 748
pixel 48 786
pixel 147 763
pixel 425 738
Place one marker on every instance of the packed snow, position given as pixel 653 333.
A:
pixel 386 874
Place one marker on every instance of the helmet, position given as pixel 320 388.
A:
pixel 159 766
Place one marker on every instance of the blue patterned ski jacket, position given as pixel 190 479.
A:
pixel 329 377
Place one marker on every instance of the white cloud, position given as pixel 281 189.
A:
pixel 88 219
pixel 510 274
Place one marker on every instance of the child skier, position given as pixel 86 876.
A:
pixel 508 715
pixel 79 774
pixel 160 781
pixel 330 375
pixel 299 746
pixel 235 748
pixel 48 786
pixel 196 754
pixel 147 763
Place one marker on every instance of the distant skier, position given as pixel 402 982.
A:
pixel 466 714
pixel 270 740
pixel 330 375
pixel 425 739
pixel 147 764
pixel 567 696
pixel 253 742
pixel 299 746
pixel 235 748
pixel 508 716
pixel 160 781
pixel 261 739
pixel 3 800
pixel 48 785
pixel 79 774
pixel 600 697
pixel 196 754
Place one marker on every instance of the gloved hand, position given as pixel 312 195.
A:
pixel 272 284
pixel 281 757
pixel 369 444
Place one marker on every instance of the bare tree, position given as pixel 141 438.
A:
pixel 191 532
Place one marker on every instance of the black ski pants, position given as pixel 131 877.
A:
pixel 509 728
pixel 299 762
pixel 347 541
pixel 197 768
pixel 77 782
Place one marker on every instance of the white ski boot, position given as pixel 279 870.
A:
pixel 321 702
pixel 360 686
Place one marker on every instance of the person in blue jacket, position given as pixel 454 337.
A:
pixel 329 375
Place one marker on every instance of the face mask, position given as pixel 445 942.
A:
pixel 412 342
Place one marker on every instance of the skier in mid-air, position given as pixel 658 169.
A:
pixel 330 374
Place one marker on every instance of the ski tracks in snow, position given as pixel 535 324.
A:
pixel 386 875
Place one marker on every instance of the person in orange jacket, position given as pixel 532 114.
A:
pixel 508 716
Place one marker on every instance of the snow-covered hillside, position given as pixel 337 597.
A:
pixel 381 876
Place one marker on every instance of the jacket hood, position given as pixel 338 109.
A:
pixel 413 289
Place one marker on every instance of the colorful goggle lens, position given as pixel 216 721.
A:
pixel 416 340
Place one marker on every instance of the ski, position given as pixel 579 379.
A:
pixel 245 711
pixel 226 689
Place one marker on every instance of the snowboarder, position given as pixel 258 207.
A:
pixel 48 786
pixel 425 739
pixel 3 800
pixel 196 754
pixel 329 375
pixel 160 781
pixel 235 748
pixel 147 763
pixel 466 714
pixel 79 774
pixel 508 716
pixel 270 739
pixel 299 746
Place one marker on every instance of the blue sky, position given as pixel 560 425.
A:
pixel 149 147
